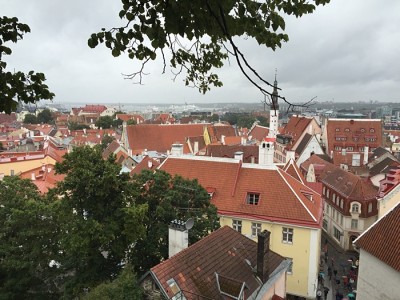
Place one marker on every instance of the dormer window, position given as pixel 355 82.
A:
pixel 355 208
pixel 372 130
pixel 362 129
pixel 253 198
pixel 347 130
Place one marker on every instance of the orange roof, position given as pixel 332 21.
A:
pixel 382 239
pixel 357 133
pixel 45 177
pixel 293 170
pixel 161 137
pixel 296 126
pixel 233 140
pixel 282 197
pixel 258 133
pixel 147 163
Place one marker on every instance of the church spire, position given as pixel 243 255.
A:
pixel 274 104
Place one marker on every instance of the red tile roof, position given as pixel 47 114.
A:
pixel 161 137
pixel 282 197
pixel 5 118
pixel 147 163
pixel 292 169
pixel 355 132
pixel 296 126
pixel 223 252
pixel 258 133
pixel 94 108
pixel 382 239
pixel 45 177
pixel 216 132
pixel 250 152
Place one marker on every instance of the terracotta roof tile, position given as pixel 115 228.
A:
pixel 223 252
pixel 296 126
pixel 281 196
pixel 161 137
pixel 382 239
pixel 258 133
pixel 354 131
pixel 250 152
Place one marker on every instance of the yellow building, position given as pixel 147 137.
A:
pixel 252 197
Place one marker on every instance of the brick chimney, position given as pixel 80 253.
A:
pixel 262 255
pixel 177 150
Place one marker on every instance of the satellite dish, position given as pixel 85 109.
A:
pixel 189 223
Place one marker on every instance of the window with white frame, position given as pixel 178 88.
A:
pixel 323 190
pixel 325 224
pixel 341 220
pixel 341 203
pixel 336 233
pixel 255 229
pixel 354 224
pixel 287 235
pixel 370 207
pixel 237 225
pixel 355 208
pixel 334 198
pixel 327 193
pixel 253 198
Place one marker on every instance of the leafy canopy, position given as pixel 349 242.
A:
pixel 18 86
pixel 199 34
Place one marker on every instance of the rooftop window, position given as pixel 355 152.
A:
pixel 253 198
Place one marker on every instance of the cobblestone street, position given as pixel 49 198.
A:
pixel 339 270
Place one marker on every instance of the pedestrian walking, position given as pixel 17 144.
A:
pixel 326 291
pixel 319 294
pixel 332 261
pixel 330 273
pixel 335 272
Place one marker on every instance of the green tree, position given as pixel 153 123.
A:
pixel 99 219
pixel 106 140
pixel 76 126
pixel 17 86
pixel 131 122
pixel 105 122
pixel 125 286
pixel 263 121
pixel 45 116
pixel 30 119
pixel 209 28
pixel 27 241
pixel 169 198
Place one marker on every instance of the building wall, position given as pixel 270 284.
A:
pixel 24 165
pixel 376 280
pixel 313 146
pixel 388 201
pixel 304 251
pixel 279 288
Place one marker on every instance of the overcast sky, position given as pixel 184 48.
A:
pixel 348 50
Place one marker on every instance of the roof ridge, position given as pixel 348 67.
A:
pixel 297 196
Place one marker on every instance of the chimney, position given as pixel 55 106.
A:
pixel 150 164
pixel 290 155
pixel 262 255
pixel 239 155
pixel 266 152
pixel 178 237
pixel 177 150
pixel 196 147
pixel 84 130
pixel 33 177
pixel 365 160
pixel 222 139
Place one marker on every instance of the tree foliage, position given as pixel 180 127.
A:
pixel 18 86
pixel 45 116
pixel 169 198
pixel 107 122
pixel 200 34
pixel 76 126
pixel 30 119
pixel 27 242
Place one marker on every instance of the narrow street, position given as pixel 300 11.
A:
pixel 343 262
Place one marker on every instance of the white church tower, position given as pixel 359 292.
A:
pixel 266 149
pixel 274 112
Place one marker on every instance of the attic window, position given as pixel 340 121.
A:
pixel 362 129
pixel 176 291
pixel 308 195
pixel 253 198
pixel 347 130
pixel 337 129
pixel 371 130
